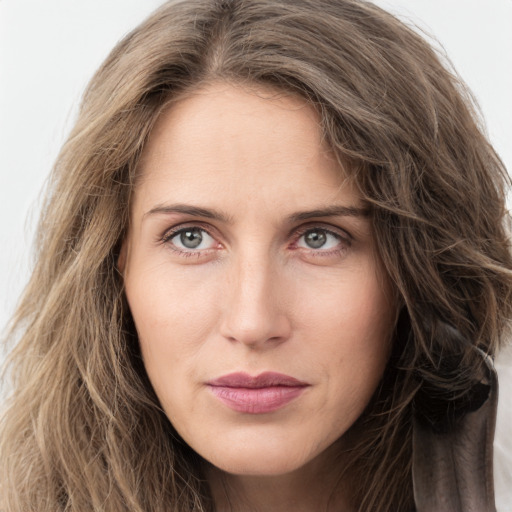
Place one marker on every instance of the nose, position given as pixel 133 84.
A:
pixel 254 313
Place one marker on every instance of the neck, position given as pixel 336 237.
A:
pixel 312 488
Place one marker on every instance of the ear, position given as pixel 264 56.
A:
pixel 121 259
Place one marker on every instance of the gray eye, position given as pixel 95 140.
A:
pixel 191 238
pixel 319 239
pixel 315 239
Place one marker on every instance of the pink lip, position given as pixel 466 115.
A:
pixel 260 394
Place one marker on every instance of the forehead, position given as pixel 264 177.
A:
pixel 238 141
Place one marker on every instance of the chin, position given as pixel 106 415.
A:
pixel 257 468
pixel 258 460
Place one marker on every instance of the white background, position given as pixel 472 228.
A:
pixel 50 48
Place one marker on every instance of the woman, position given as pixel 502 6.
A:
pixel 272 270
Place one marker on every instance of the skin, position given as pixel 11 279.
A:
pixel 255 295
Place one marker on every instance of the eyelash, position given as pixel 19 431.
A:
pixel 345 239
pixel 171 233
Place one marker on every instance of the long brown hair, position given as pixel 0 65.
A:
pixel 84 430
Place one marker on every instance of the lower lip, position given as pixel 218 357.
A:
pixel 257 400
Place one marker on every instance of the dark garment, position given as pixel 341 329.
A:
pixel 453 471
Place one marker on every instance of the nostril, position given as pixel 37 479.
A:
pixel 271 330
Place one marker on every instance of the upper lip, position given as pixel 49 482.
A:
pixel 263 380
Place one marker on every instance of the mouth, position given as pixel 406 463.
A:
pixel 259 394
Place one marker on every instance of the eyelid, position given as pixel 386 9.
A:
pixel 295 234
pixel 343 243
pixel 174 230
pixel 170 233
pixel 329 228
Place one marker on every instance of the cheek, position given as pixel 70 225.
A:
pixel 369 318
pixel 164 302
pixel 352 340
pixel 173 319
pixel 353 312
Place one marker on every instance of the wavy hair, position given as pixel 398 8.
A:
pixel 83 429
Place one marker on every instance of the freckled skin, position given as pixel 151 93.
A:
pixel 259 292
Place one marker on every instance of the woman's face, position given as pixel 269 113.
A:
pixel 263 313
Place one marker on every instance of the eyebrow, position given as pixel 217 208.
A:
pixel 330 211
pixel 194 211
pixel 208 213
